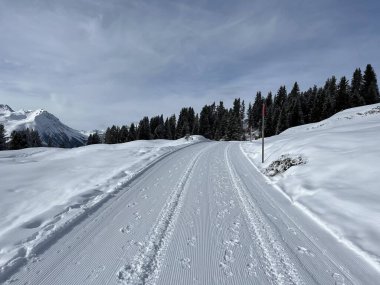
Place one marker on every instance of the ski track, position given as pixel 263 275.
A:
pixel 146 265
pixel 202 215
pixel 278 267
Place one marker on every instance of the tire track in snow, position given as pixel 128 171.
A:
pixel 278 266
pixel 144 268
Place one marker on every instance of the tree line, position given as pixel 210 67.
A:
pixel 216 122
pixel 20 139
pixel 283 110
pixel 297 108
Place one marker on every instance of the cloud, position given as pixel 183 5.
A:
pixel 95 63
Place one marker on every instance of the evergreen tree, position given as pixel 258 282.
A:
pixel 330 89
pixel 123 134
pixel 196 125
pixel 282 123
pixel 173 123
pixel 295 113
pixel 316 110
pixel 356 99
pixel 18 140
pixel 159 132
pixel 204 123
pixel 343 96
pixel 185 122
pixel 256 110
pixel 132 135
pixel 96 138
pixel 279 110
pixel 235 126
pixel 220 123
pixel 34 139
pixel 2 137
pixel 168 131
pixel 269 125
pixel 370 90
pixel 144 132
pixel 93 139
pixel 89 140
pixel 250 116
pixel 112 135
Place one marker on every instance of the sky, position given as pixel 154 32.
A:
pixel 94 63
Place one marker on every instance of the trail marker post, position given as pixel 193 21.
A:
pixel 262 132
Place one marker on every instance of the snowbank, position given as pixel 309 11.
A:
pixel 339 184
pixel 43 191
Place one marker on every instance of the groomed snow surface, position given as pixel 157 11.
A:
pixel 43 191
pixel 163 212
pixel 339 184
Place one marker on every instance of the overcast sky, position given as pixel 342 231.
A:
pixel 94 63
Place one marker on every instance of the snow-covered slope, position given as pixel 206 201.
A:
pixel 51 129
pixel 43 190
pixel 339 184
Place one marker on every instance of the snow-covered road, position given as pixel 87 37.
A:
pixel 202 215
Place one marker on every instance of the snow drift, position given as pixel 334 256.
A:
pixel 339 184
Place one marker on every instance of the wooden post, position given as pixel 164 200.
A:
pixel 262 132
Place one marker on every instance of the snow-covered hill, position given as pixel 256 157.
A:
pixel 337 182
pixel 51 130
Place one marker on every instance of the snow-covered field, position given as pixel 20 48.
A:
pixel 339 183
pixel 45 190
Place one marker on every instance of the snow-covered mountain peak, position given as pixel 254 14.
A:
pixel 51 130
pixel 5 109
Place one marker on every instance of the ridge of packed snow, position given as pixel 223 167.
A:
pixel 338 185
pixel 49 127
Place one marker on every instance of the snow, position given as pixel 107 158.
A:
pixel 338 185
pixel 47 125
pixel 45 190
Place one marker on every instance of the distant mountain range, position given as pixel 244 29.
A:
pixel 51 130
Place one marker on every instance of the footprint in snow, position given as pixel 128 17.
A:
pixel 126 229
pixel 191 241
pixel 185 263
pixel 226 269
pixel 137 215
pixel 292 230
pixel 305 251
pixel 251 268
pixel 339 279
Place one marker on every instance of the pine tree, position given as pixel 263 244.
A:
pixel 370 90
pixel 93 139
pixel 173 123
pixel 96 138
pixel 282 124
pixel 107 136
pixel 123 134
pixel 343 96
pixel 220 127
pixel 132 135
pixel 330 89
pixel 159 132
pixel 33 138
pixel 204 123
pixel 168 131
pixel 256 110
pixel 196 125
pixel 18 140
pixel 2 137
pixel 89 140
pixel 144 132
